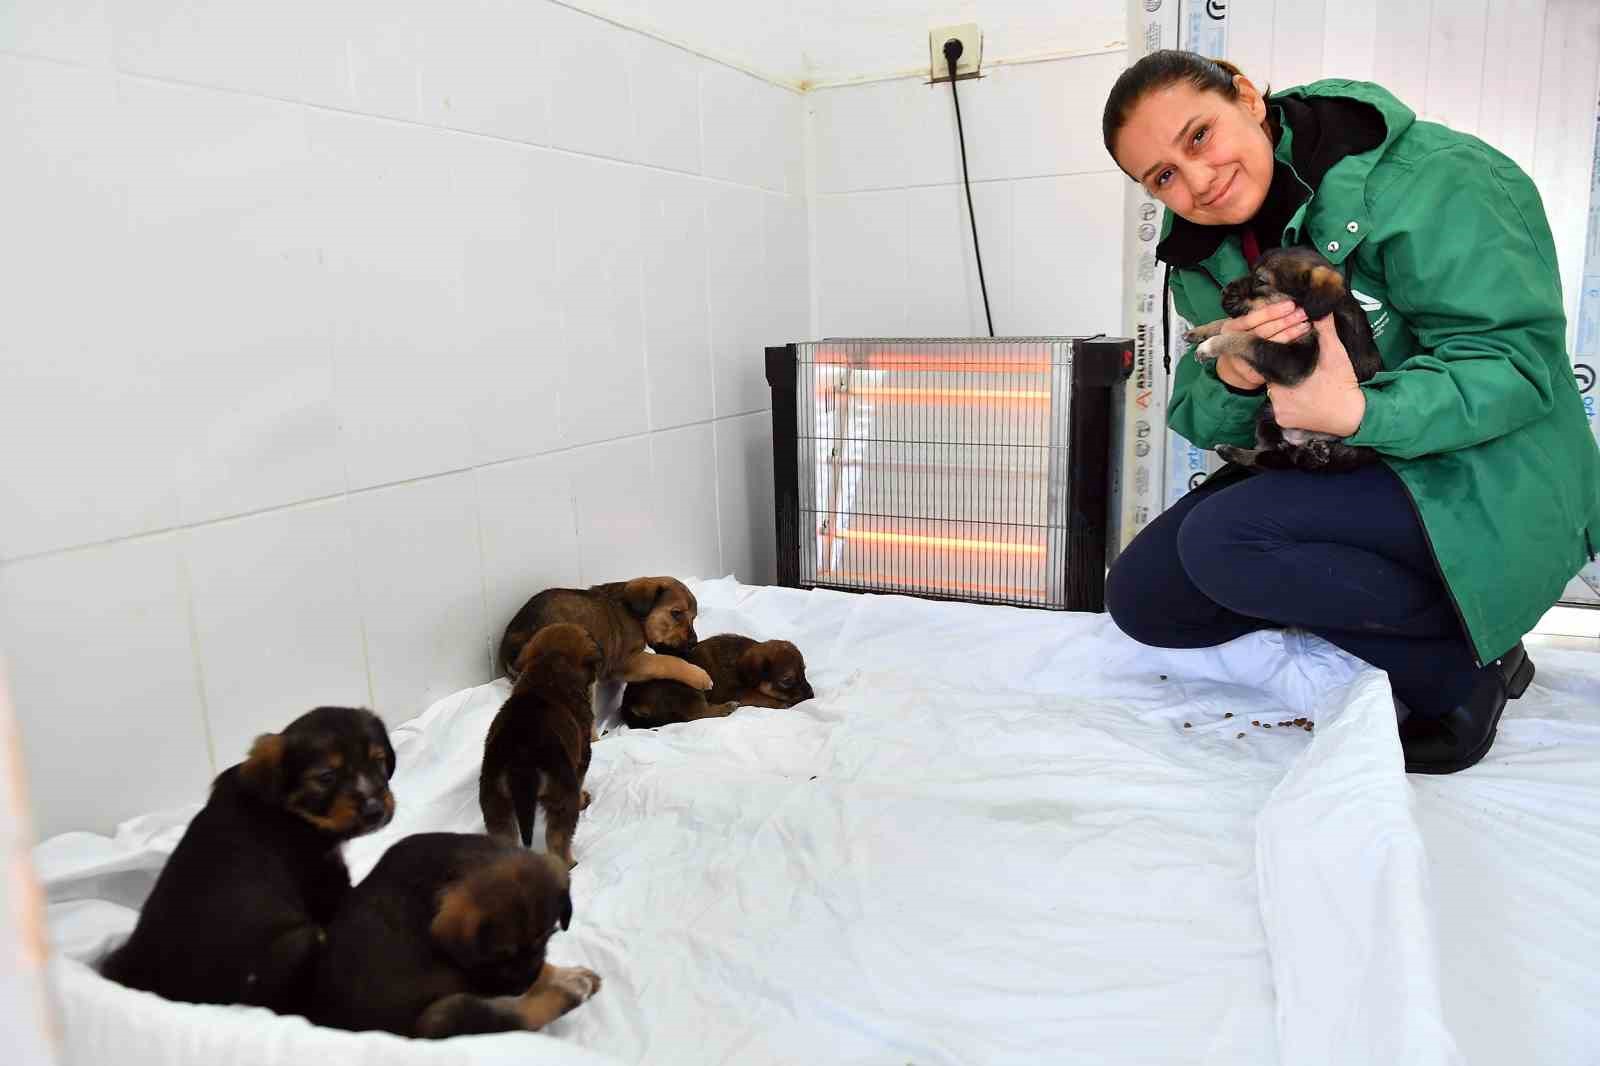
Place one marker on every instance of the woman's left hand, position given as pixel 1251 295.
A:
pixel 1330 400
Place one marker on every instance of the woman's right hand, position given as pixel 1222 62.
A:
pixel 1282 322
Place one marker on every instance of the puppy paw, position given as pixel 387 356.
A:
pixel 698 678
pixel 1207 351
pixel 575 983
pixel 1199 333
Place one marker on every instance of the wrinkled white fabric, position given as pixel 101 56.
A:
pixel 991 838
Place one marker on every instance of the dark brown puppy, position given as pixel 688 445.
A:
pixel 447 936
pixel 769 673
pixel 623 618
pixel 1313 283
pixel 237 914
pixel 537 752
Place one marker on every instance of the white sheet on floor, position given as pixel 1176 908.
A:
pixel 996 836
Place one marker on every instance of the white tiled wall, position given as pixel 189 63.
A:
pixel 331 332
pixel 893 250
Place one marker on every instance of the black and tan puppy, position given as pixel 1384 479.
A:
pixel 623 618
pixel 238 911
pixel 1317 287
pixel 447 936
pixel 537 753
pixel 744 672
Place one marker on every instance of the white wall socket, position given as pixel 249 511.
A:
pixel 971 60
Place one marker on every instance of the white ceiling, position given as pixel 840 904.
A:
pixel 807 42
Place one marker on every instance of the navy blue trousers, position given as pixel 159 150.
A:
pixel 1343 556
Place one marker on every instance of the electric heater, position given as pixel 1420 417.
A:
pixel 952 468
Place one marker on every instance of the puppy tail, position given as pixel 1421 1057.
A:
pixel 525 797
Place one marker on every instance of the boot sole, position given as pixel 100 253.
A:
pixel 1516 685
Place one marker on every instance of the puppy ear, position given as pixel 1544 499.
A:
pixel 641 593
pixel 262 771
pixel 456 924
pixel 1324 290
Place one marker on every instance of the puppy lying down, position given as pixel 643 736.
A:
pixel 447 936
pixel 743 671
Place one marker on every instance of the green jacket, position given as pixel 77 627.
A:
pixel 1445 242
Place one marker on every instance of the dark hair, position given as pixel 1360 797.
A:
pixel 1156 71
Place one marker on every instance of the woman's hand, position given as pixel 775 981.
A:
pixel 1282 322
pixel 1330 400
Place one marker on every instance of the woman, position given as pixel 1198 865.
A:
pixel 1433 564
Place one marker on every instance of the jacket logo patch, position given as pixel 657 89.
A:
pixel 1368 304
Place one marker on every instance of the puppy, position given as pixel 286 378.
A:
pixel 622 618
pixel 537 753
pixel 1313 283
pixel 237 914
pixel 447 936
pixel 770 673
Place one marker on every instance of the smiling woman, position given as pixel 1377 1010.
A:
pixel 1432 564
pixel 1213 166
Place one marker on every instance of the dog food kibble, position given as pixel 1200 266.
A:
pixel 1254 722
pixel 1239 737
pixel 1163 677
pixel 1227 714
pixel 1186 725
pixel 1267 726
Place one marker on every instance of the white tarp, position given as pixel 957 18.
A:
pixel 991 838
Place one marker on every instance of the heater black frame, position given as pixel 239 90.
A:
pixel 1099 365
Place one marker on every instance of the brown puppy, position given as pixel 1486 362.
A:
pixel 237 913
pixel 447 936
pixel 771 673
pixel 537 752
pixel 622 618
pixel 1304 276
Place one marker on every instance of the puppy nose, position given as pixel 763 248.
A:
pixel 372 808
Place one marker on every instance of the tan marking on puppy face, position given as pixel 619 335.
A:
pixel 667 610
pixel 334 770
pixel 341 818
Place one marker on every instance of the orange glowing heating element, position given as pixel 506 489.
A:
pixel 908 395
pixel 894 580
pixel 991 547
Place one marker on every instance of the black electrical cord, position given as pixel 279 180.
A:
pixel 952 52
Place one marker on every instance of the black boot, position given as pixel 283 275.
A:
pixel 1464 734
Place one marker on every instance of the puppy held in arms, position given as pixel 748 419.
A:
pixel 238 913
pixel 1317 287
pixel 447 936
pixel 744 672
pixel 537 752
